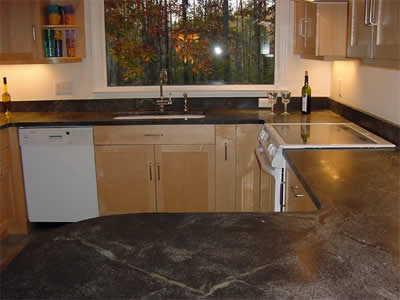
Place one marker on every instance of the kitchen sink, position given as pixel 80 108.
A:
pixel 158 117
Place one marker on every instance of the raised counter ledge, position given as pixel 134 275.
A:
pixel 362 187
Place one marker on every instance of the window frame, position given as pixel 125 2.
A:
pixel 98 52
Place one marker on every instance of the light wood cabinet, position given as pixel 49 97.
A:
pixel 125 179
pixel 5 192
pixel 185 178
pixel 225 167
pixel 180 168
pixel 164 168
pixel 13 213
pixel 19 23
pixel 22 24
pixel 374 32
pixel 320 29
pixel 17 213
pixel 248 170
pixel 297 198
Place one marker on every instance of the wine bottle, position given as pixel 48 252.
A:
pixel 306 96
pixel 6 98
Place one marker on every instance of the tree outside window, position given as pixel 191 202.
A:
pixel 199 42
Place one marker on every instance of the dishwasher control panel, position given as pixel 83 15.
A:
pixel 56 136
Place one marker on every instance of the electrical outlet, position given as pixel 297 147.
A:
pixel 63 88
pixel 264 103
pixel 340 88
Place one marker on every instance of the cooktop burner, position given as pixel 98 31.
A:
pixel 321 134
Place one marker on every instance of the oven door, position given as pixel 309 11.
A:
pixel 274 184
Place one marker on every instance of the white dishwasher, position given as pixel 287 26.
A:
pixel 59 173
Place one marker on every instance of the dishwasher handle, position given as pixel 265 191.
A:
pixel 265 165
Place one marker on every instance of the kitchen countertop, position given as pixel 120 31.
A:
pixel 19 119
pixel 349 249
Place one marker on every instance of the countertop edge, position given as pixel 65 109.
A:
pixel 300 177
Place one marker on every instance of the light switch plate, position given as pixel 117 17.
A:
pixel 63 88
pixel 264 103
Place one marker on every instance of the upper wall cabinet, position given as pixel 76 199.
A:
pixel 320 29
pixel 18 31
pixel 41 31
pixel 374 32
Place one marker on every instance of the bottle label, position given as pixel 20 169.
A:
pixel 304 103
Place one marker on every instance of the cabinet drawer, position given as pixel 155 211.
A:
pixel 3 138
pixel 155 134
pixel 297 198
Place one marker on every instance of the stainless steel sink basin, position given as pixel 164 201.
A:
pixel 158 117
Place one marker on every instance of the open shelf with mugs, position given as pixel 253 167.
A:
pixel 42 31
pixel 62 30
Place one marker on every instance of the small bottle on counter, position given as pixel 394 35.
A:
pixel 6 98
pixel 306 96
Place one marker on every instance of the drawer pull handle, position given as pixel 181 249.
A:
pixel 34 32
pixel 294 188
pixel 151 173
pixel 153 134
pixel 226 151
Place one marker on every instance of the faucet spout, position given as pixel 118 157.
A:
pixel 163 80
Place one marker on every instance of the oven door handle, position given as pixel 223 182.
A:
pixel 265 165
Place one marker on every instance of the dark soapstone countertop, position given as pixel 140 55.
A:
pixel 347 250
pixel 223 116
pixel 360 186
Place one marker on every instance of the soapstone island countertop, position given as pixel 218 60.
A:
pixel 349 249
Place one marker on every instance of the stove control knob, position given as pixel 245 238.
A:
pixel 271 150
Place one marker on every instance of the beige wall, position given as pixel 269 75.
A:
pixel 373 90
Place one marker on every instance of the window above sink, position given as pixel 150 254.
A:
pixel 281 47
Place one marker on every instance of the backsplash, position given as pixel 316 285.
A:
pixel 203 104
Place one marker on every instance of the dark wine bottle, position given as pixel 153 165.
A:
pixel 306 96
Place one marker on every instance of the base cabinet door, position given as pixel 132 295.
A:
pixel 6 209
pixel 225 167
pixel 125 179
pixel 248 170
pixel 185 178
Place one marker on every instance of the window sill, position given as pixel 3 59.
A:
pixel 193 91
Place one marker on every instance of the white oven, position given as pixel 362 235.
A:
pixel 275 137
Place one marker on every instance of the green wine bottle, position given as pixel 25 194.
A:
pixel 306 96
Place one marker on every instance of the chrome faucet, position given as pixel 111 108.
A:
pixel 163 80
pixel 185 97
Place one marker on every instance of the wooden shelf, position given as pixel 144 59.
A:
pixel 61 26
pixel 58 60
